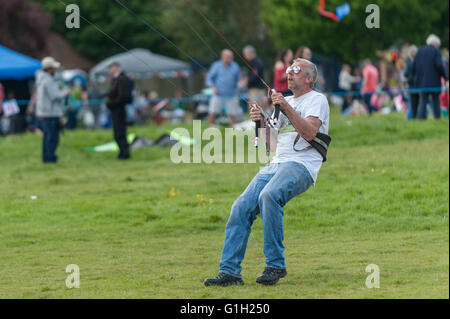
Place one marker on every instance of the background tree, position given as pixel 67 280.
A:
pixel 266 24
pixel 24 26
pixel 112 19
pixel 237 20
pixel 293 23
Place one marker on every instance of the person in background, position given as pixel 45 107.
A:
pixel 303 52
pixel 369 84
pixel 2 95
pixel 411 80
pixel 178 112
pixel 141 104
pixel 280 82
pixel 444 97
pixel 153 100
pixel 223 78
pixel 34 124
pixel 358 84
pixel 84 96
pixel 429 69
pixel 73 105
pixel 49 99
pixel 256 89
pixel 148 109
pixel 117 98
pixel 11 110
pixel 399 95
pixel 86 111
pixel 95 97
pixel 346 81
pixel 445 62
pixel 130 108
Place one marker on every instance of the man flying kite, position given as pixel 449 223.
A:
pixel 294 168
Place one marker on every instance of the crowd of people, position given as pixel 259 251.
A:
pixel 416 77
pixel 412 78
pixel 226 81
pixel 409 81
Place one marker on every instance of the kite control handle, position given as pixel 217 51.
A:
pixel 257 126
pixel 277 108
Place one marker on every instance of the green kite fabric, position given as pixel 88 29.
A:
pixel 185 140
pixel 111 146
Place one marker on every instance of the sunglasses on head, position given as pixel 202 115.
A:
pixel 296 69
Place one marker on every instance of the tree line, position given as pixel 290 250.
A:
pixel 266 24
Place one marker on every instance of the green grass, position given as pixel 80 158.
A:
pixel 148 228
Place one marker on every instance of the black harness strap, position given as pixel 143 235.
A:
pixel 320 142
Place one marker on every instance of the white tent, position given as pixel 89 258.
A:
pixel 142 63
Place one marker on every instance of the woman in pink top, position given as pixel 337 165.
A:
pixel 280 83
pixel 369 85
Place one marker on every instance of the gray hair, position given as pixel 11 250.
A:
pixel 433 40
pixel 412 50
pixel 311 70
pixel 226 51
pixel 249 49
pixel 114 63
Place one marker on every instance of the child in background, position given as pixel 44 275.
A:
pixel 9 118
pixel 444 99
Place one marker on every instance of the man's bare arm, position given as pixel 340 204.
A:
pixel 306 127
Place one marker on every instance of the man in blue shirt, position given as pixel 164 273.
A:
pixel 223 78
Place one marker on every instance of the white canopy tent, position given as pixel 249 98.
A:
pixel 142 63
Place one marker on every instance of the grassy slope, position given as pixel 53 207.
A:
pixel 152 229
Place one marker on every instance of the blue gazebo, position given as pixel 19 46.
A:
pixel 16 66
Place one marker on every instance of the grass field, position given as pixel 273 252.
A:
pixel 148 228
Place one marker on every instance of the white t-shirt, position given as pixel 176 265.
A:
pixel 346 80
pixel 310 104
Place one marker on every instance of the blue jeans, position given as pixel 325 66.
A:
pixel 366 98
pixel 267 194
pixel 50 127
pixel 71 119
